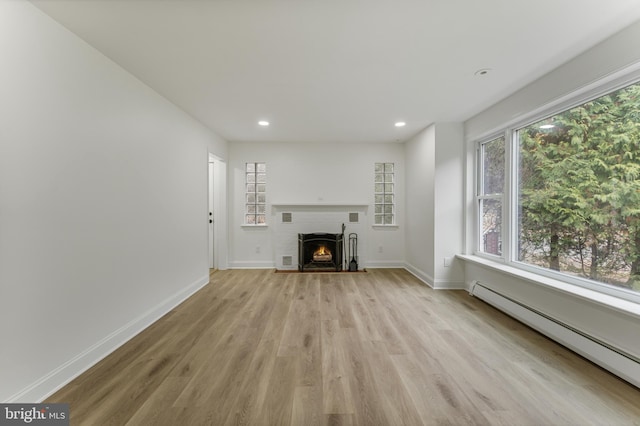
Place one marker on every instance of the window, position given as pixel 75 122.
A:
pixel 256 198
pixel 491 158
pixel 572 210
pixel 384 213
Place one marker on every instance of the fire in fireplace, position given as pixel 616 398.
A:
pixel 319 252
pixel 322 255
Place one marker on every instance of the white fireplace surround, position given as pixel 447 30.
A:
pixel 307 218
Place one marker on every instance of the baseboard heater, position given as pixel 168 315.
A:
pixel 615 360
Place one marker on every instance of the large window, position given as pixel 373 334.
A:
pixel 256 193
pixel 575 206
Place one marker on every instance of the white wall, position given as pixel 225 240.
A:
pixel 449 205
pixel 103 204
pixel 605 59
pixel 420 159
pixel 435 204
pixel 313 174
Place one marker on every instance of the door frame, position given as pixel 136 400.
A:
pixel 217 204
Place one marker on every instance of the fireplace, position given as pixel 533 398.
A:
pixel 319 252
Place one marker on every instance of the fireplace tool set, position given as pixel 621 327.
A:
pixel 353 252
pixel 350 255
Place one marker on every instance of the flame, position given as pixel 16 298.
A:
pixel 322 250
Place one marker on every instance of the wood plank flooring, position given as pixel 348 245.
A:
pixel 256 347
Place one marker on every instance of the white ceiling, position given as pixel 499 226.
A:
pixel 338 70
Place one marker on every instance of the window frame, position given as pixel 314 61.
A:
pixel 481 196
pixel 509 256
pixel 384 194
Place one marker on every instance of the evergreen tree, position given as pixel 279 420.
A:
pixel 579 189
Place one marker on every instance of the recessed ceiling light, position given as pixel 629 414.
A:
pixel 547 126
pixel 263 123
pixel 400 124
pixel 483 71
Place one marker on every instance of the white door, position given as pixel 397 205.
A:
pixel 211 218
pixel 217 212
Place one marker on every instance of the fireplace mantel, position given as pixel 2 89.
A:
pixel 341 205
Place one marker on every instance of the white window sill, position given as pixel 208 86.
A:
pixel 612 302
pixel 385 226
pixel 264 225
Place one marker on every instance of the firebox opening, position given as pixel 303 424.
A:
pixel 320 252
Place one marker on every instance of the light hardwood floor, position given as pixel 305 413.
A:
pixel 257 347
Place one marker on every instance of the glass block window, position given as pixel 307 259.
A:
pixel 384 206
pixel 256 193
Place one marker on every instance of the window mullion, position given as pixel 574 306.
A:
pixel 479 168
pixel 510 224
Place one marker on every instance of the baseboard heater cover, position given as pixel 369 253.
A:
pixel 618 362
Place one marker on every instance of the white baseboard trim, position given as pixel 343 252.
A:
pixel 450 285
pixel 421 275
pixel 242 264
pixel 59 377
pixel 385 264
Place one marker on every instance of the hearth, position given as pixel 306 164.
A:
pixel 320 252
